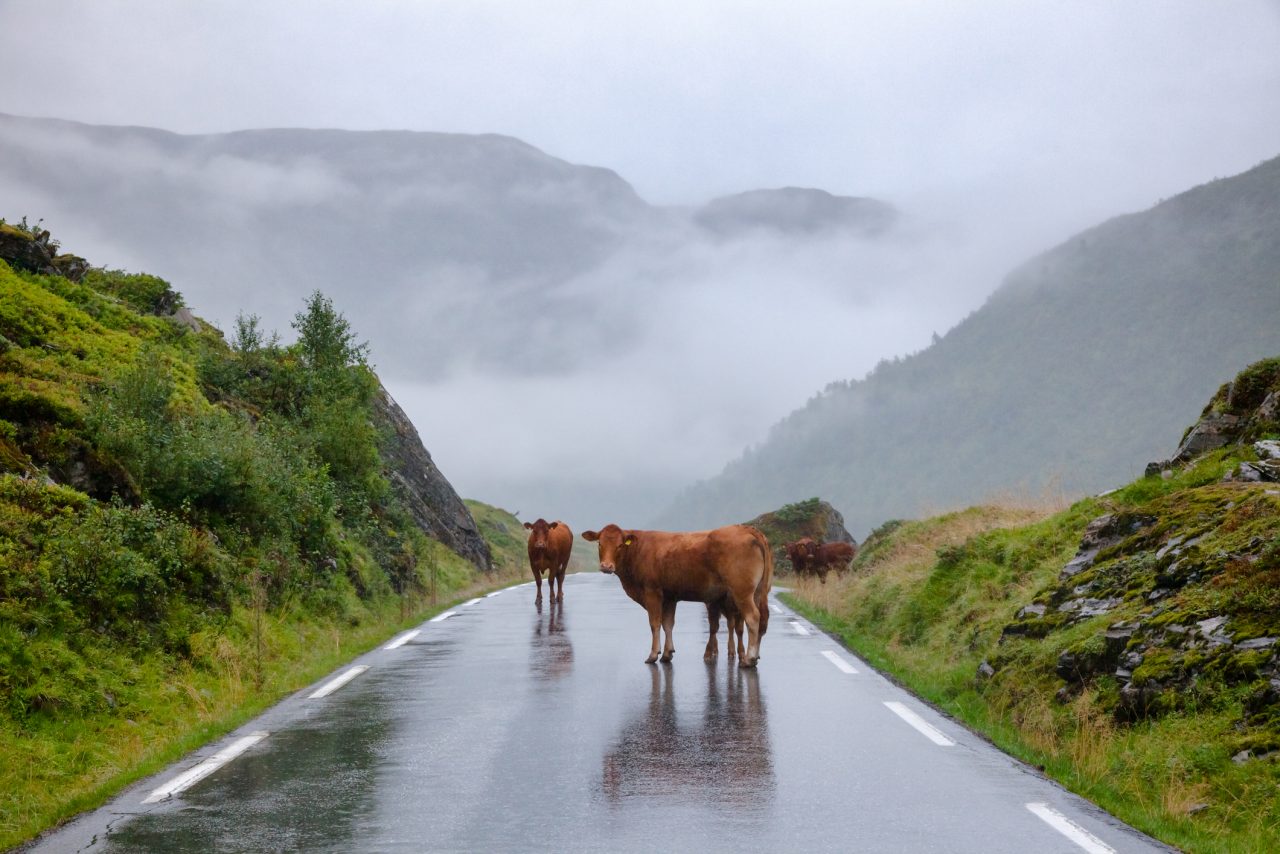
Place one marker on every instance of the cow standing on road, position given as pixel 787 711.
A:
pixel 658 569
pixel 549 546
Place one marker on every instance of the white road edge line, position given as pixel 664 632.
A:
pixel 495 593
pixel 838 661
pixel 440 618
pixel 469 604
pixel 205 768
pixel 925 728
pixel 403 639
pixel 337 682
pixel 799 629
pixel 1070 829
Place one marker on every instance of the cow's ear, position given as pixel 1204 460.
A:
pixel 529 525
pixel 628 539
pixel 554 525
pixel 590 536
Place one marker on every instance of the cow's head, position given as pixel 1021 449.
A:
pixel 538 537
pixel 613 543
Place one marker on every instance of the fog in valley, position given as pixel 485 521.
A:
pixel 548 290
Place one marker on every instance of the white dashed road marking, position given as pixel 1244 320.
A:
pixel 924 727
pixel 799 629
pixel 440 618
pixel 205 768
pixel 403 639
pixel 844 666
pixel 1070 829
pixel 495 593
pixel 337 682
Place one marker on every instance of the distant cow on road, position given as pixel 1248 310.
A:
pixel 549 547
pixel 658 569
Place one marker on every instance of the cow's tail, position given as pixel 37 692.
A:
pixel 766 578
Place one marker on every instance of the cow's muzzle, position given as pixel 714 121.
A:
pixel 607 568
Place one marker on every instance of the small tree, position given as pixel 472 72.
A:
pixel 325 338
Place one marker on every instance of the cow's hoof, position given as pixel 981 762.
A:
pixel 666 657
pixel 708 657
pixel 651 659
pixel 747 664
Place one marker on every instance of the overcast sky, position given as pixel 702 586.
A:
pixel 1008 125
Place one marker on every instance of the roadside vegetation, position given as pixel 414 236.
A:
pixel 1137 667
pixel 190 528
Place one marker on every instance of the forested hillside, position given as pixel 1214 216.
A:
pixel 1070 377
pixel 188 526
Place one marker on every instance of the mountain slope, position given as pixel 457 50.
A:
pixel 1128 645
pixel 1073 372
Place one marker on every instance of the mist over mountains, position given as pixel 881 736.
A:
pixel 1076 370
pixel 564 347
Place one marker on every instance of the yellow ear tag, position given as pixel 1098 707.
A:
pixel 627 541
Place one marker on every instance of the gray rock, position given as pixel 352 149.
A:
pixel 1032 610
pixel 1213 431
pixel 1102 533
pixel 1211 625
pixel 985 670
pixel 1242 757
pixel 1269 410
pixel 428 496
pixel 1267 449
pixel 1084 608
pixel 1257 643
pixel 184 317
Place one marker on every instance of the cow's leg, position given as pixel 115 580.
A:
pixel 653 605
pixel 750 614
pixel 668 625
pixel 822 574
pixel 713 621
pixel 560 586
pixel 737 630
pixel 537 579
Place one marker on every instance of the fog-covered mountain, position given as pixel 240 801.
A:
pixel 502 289
pixel 471 237
pixel 1073 373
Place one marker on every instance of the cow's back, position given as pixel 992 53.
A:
pixel 560 543
pixel 698 565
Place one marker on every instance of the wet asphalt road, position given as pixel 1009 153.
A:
pixel 503 728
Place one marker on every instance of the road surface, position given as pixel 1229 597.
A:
pixel 506 728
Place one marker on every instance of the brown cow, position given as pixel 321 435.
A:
pixel 801 555
pixel 549 547
pixel 658 569
pixel 832 556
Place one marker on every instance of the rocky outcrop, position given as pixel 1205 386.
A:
pixel 1243 411
pixel 33 250
pixel 814 518
pixel 427 495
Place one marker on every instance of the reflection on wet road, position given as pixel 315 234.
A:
pixel 508 728
pixel 718 750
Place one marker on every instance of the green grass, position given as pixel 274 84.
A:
pixel 928 604
pixel 53 768
pixel 189 530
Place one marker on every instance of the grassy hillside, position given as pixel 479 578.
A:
pixel 189 528
pixel 1126 644
pixel 1071 377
